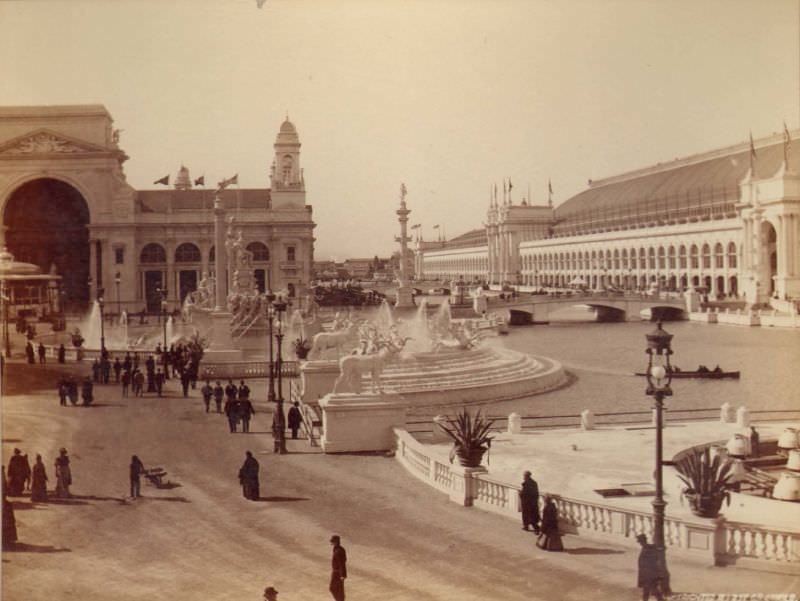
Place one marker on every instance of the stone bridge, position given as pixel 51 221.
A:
pixel 609 307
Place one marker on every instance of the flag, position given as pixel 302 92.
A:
pixel 510 185
pixel 200 181
pixel 549 187
pixel 436 227
pixel 752 154
pixel 415 226
pixel 164 180
pixel 229 181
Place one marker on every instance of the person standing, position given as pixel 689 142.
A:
pixel 207 393
pixel 338 568
pixel 29 353
pixel 72 390
pixel 62 353
pixel 230 391
pixel 159 381
pixel 550 538
pixel 63 474
pixel 150 368
pixel 117 369
pixel 294 418
pixel 19 473
pixel 63 391
pixel 248 477
pixel 529 502
pixel 246 411
pixel 87 391
pixel 105 368
pixel 244 391
pixel 186 379
pixel 96 370
pixel 651 575
pixel 39 481
pixel 137 469
pixel 219 392
pixel 126 381
pixel 42 353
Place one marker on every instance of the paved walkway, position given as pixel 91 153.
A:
pixel 198 538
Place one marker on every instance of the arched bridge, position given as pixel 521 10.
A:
pixel 609 306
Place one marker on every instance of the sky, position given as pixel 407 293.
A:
pixel 448 97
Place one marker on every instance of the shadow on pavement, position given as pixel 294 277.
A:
pixel 29 548
pixel 592 551
pixel 171 499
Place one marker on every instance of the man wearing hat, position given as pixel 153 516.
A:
pixel 270 594
pixel 338 568
pixel 651 574
pixel 529 502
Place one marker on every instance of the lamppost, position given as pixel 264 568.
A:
pixel 270 318
pixel 4 299
pixel 163 316
pixel 101 305
pixel 278 307
pixel 117 280
pixel 659 377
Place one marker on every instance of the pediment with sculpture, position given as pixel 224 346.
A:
pixel 47 142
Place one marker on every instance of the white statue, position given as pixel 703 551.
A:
pixel 352 367
pixel 327 340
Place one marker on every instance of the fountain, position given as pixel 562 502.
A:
pixel 170 330
pixel 378 369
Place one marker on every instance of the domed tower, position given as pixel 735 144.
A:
pixel 182 180
pixel 286 176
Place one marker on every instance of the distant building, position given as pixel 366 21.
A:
pixel 65 202
pixel 706 221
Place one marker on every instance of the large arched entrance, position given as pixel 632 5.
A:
pixel 46 221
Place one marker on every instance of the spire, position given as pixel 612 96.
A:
pixel 182 180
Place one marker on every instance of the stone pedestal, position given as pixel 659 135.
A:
pixel 318 378
pixel 360 422
pixel 405 297
pixel 221 347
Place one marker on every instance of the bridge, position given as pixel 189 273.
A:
pixel 609 306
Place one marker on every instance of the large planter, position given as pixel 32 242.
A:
pixel 470 457
pixel 706 505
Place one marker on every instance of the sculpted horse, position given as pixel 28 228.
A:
pixel 352 367
pixel 327 340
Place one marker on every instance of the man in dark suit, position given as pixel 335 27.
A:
pixel 338 569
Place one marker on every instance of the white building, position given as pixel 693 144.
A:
pixel 708 220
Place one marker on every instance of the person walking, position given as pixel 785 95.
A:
pixel 72 391
pixel 244 391
pixel 29 353
pixel 136 471
pixel 62 353
pixel 207 393
pixel 232 412
pixel 246 411
pixel 19 473
pixel 87 391
pixel 550 538
pixel 186 379
pixel 39 481
pixel 294 418
pixel 529 502
pixel 651 573
pixel 338 568
pixel 42 352
pixel 63 474
pixel 219 392
pixel 231 391
pixel 248 477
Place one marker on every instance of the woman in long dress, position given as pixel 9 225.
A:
pixel 550 538
pixel 39 482
pixel 63 474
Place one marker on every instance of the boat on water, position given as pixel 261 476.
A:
pixel 702 373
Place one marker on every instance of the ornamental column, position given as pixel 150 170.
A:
pixel 405 296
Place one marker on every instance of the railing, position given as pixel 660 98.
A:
pixel 714 540
pixel 310 422
pixel 247 369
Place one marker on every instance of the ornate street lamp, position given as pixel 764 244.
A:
pixel 101 304
pixel 659 377
pixel 117 280
pixel 279 306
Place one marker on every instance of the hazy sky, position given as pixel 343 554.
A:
pixel 446 96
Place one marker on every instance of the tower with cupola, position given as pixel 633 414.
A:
pixel 288 187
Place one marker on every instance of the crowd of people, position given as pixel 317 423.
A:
pixel 21 477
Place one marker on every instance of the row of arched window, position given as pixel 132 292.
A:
pixel 693 257
pixel 190 253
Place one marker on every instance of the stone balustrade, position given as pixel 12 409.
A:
pixel 715 541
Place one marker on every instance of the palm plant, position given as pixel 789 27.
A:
pixel 706 480
pixel 470 437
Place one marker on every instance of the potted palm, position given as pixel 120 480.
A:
pixel 707 481
pixel 470 437
pixel 301 347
